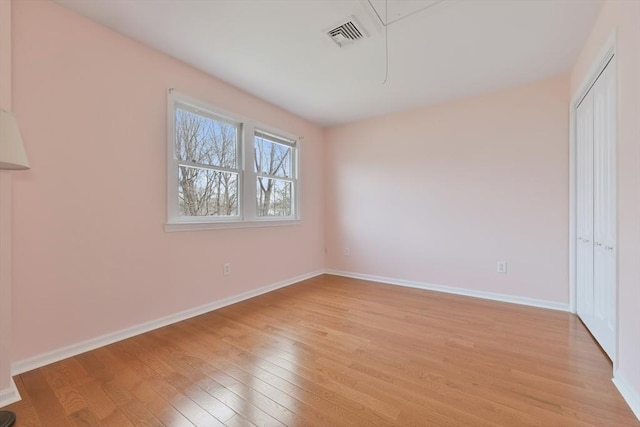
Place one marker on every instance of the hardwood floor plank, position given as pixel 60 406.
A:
pixel 333 351
pixel 388 395
pixel 172 386
pixel 129 405
pixel 28 415
pixel 65 374
pixel 101 405
pixel 85 418
pixel 331 401
pixel 46 403
pixel 163 410
pixel 166 349
pixel 244 365
pixel 71 400
pixel 238 421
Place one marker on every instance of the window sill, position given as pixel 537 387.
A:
pixel 198 226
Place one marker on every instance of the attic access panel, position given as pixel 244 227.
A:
pixel 399 9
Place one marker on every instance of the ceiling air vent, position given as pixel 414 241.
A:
pixel 347 33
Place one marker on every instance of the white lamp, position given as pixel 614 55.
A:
pixel 12 154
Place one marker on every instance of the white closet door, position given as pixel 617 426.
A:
pixel 584 205
pixel 596 209
pixel 604 257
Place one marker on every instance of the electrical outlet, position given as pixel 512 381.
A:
pixel 501 266
pixel 226 270
pixel 347 251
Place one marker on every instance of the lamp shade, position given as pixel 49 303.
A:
pixel 12 154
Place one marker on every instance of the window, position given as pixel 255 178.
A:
pixel 274 174
pixel 226 169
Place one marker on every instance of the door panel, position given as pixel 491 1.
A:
pixel 584 220
pixel 603 323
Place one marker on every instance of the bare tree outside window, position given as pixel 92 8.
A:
pixel 273 166
pixel 207 150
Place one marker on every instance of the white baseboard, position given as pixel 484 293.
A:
pixel 9 395
pixel 93 343
pixel 458 291
pixel 630 395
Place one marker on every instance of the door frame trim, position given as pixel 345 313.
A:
pixel 607 52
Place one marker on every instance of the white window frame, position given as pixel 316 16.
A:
pixel 276 137
pixel 247 177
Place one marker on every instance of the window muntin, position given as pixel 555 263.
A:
pixel 225 169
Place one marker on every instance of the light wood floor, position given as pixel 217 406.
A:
pixel 333 352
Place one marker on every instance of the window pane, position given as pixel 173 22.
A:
pixel 271 158
pixel 274 197
pixel 205 192
pixel 206 141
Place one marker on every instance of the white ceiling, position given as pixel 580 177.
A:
pixel 278 50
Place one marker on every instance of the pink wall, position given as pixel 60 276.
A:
pixel 5 209
pixel 90 253
pixel 439 194
pixel 623 16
